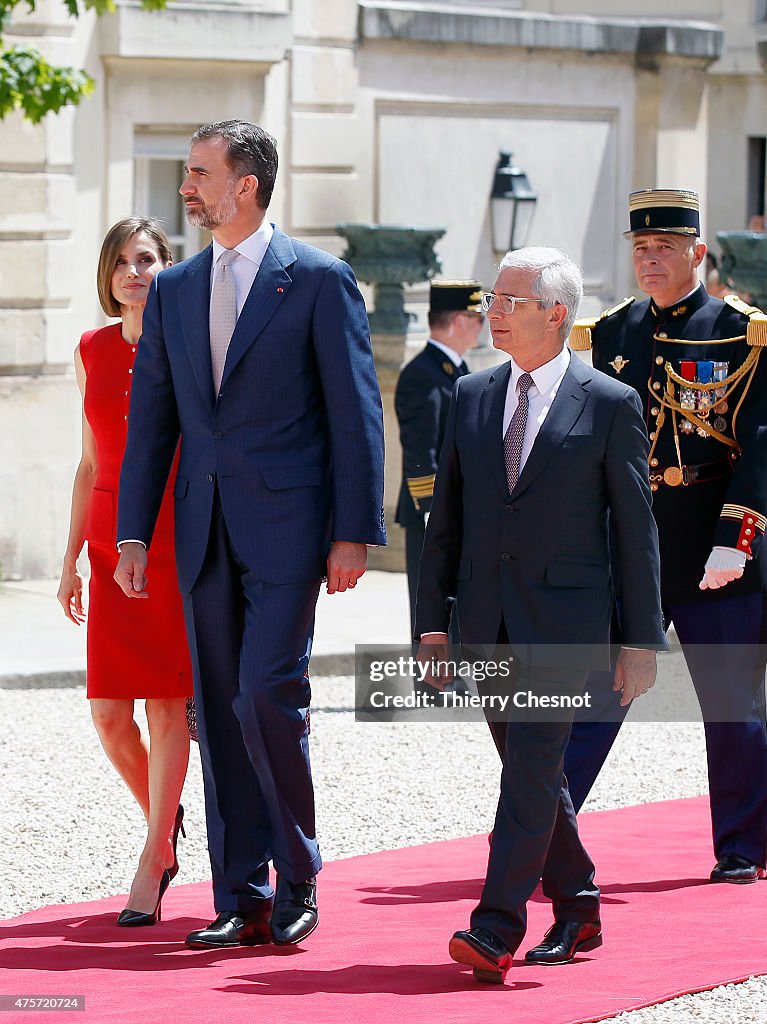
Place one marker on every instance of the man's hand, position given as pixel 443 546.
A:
pixel 723 566
pixel 347 562
pixel 635 673
pixel 434 648
pixel 130 574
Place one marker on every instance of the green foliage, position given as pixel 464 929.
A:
pixel 28 82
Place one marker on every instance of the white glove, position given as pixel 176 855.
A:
pixel 723 566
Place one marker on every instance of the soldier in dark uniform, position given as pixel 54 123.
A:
pixel 421 401
pixel 698 365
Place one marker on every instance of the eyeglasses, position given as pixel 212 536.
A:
pixel 506 303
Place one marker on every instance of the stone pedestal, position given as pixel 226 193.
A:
pixel 389 354
pixel 388 257
pixel 744 261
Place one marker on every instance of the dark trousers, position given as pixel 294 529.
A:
pixel 536 832
pixel 721 642
pixel 250 643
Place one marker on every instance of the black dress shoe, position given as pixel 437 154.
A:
pixel 480 949
pixel 295 914
pixel 563 940
pixel 739 870
pixel 232 928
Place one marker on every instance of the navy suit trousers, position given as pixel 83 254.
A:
pixel 250 643
pixel 536 832
pixel 721 641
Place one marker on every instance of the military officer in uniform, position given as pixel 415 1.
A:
pixel 698 364
pixel 422 399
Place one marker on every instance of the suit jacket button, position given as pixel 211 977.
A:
pixel 505 557
pixel 218 435
pixel 210 478
pixel 508 507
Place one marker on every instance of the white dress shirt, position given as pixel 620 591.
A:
pixel 546 381
pixel 251 251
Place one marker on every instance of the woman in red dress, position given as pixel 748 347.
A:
pixel 136 649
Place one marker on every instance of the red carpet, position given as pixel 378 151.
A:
pixel 380 953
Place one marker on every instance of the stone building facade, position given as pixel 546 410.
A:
pixel 386 112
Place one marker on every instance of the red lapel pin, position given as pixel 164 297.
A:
pixel 280 290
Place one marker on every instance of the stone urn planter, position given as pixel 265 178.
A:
pixel 388 257
pixel 744 262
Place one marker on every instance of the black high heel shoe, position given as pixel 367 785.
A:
pixel 135 919
pixel 178 826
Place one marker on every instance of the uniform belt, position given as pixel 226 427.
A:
pixel 699 474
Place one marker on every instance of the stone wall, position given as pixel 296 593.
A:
pixel 385 112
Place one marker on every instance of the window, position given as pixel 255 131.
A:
pixel 160 162
pixel 757 154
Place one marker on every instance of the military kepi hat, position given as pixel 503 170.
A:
pixel 451 296
pixel 672 210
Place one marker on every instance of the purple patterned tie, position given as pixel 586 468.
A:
pixel 515 435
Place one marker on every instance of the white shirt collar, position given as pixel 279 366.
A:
pixel 253 247
pixel 449 352
pixel 546 376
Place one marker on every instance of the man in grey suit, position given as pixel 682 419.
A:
pixel 538 454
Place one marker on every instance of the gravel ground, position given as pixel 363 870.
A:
pixel 73 833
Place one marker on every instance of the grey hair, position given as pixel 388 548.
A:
pixel 557 279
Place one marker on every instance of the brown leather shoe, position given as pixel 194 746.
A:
pixel 233 928
pixel 736 869
pixel 563 940
pixel 480 949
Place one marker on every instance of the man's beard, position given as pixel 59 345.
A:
pixel 213 215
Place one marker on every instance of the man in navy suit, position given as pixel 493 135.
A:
pixel 537 453
pixel 256 354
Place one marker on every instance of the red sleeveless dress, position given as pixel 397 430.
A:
pixel 135 648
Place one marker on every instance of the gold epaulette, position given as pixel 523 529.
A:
pixel 616 309
pixel 756 331
pixel 580 335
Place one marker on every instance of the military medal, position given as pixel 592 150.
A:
pixel 673 476
pixel 720 424
pixel 705 376
pixel 686 427
pixel 721 369
pixel 618 363
pixel 721 408
pixel 687 369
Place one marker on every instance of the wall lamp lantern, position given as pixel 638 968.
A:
pixel 512 203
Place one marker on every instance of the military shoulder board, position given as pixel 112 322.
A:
pixel 756 331
pixel 580 336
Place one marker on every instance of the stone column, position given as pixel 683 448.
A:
pixel 39 404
